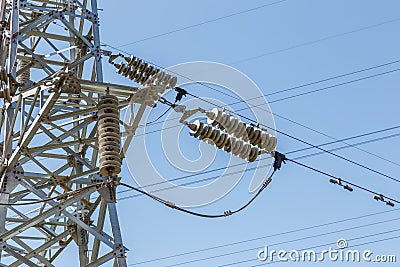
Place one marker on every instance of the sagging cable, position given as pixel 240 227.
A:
pixel 348 185
pixel 279 158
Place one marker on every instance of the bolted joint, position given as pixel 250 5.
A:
pixel 120 251
pixel 70 160
pixel 108 192
pixel 10 180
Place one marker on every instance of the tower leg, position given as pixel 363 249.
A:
pixel 82 235
pixel 3 214
pixel 112 211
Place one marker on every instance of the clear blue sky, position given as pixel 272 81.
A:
pixel 281 46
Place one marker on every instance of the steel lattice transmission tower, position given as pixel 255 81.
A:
pixel 61 137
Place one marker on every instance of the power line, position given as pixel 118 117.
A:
pixel 305 85
pixel 356 144
pixel 321 81
pixel 311 92
pixel 171 205
pixel 239 164
pixel 297 139
pixel 260 238
pixel 225 214
pixel 159 117
pixel 315 41
pixel 305 93
pixel 268 53
pixel 193 182
pixel 297 123
pixel 299 94
pixel 59 197
pixel 278 100
pixel 347 139
pixel 164 101
pixel 317 90
pixel 329 244
pixel 301 86
pixel 296 87
pixel 266 236
pixel 371 26
pixel 300 140
pixel 338 178
pixel 279 158
pixel 187 176
pixel 332 86
pixel 264 186
pixel 281 243
pixel 304 142
pixel 310 147
pixel 203 23
pixel 290 136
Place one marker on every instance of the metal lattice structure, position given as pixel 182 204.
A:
pixel 61 138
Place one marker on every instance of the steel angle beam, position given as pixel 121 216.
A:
pixel 50 130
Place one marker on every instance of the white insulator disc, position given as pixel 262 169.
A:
pixel 199 128
pixel 228 144
pixel 222 140
pixel 256 140
pixel 216 135
pixel 238 133
pixel 120 68
pixel 207 132
pixel 253 154
pixel 264 139
pixel 233 124
pixel 224 120
pixel 244 153
pixel 234 145
pixel 250 132
pixel 173 82
pixel 212 134
pixel 214 116
pixel 271 144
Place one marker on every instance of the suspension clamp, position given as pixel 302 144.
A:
pixel 338 181
pixel 279 159
pixel 382 198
